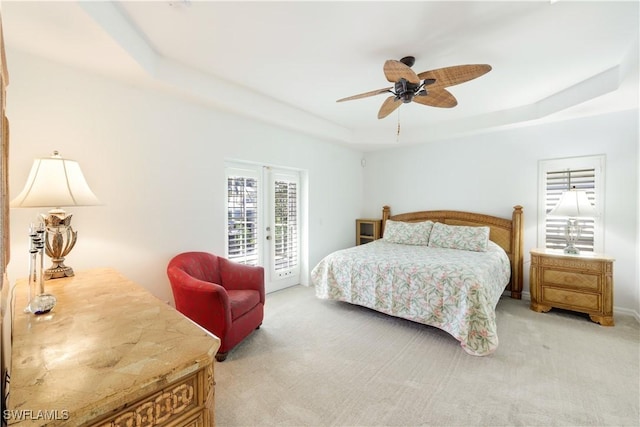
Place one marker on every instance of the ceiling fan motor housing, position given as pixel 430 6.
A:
pixel 405 90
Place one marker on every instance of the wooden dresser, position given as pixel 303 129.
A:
pixel 581 283
pixel 109 354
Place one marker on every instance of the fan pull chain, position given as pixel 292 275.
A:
pixel 398 131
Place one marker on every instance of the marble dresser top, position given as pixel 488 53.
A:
pixel 107 342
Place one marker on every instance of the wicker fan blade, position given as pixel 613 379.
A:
pixel 366 94
pixel 438 97
pixel 454 75
pixel 389 106
pixel 396 70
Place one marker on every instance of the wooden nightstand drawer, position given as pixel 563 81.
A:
pixel 570 299
pixel 588 265
pixel 571 279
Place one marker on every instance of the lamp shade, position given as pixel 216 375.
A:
pixel 573 204
pixel 55 182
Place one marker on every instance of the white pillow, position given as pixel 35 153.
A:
pixel 407 233
pixel 459 237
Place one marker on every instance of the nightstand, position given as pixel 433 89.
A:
pixel 367 230
pixel 581 283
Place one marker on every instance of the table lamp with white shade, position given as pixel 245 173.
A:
pixel 55 182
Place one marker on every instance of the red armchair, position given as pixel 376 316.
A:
pixel 224 297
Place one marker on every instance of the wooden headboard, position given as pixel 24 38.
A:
pixel 507 233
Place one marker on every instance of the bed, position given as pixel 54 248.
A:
pixel 446 269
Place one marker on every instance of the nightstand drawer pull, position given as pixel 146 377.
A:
pixel 572 300
pixel 574 280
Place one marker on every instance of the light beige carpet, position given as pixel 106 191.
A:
pixel 325 363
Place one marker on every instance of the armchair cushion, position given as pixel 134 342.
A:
pixel 242 302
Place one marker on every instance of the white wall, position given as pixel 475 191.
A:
pixel 157 164
pixel 491 173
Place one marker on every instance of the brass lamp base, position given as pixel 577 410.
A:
pixel 58 272
pixel 59 240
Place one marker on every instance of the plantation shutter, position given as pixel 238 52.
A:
pixel 242 217
pixel 556 183
pixel 286 228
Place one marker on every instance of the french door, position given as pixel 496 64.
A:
pixel 263 221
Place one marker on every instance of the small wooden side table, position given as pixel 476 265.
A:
pixel 367 230
pixel 581 283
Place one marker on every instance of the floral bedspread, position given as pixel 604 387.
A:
pixel 454 290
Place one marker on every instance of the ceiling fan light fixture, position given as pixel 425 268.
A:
pixel 408 61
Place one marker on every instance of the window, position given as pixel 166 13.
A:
pixel 559 175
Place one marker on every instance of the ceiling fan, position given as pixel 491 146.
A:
pixel 426 88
